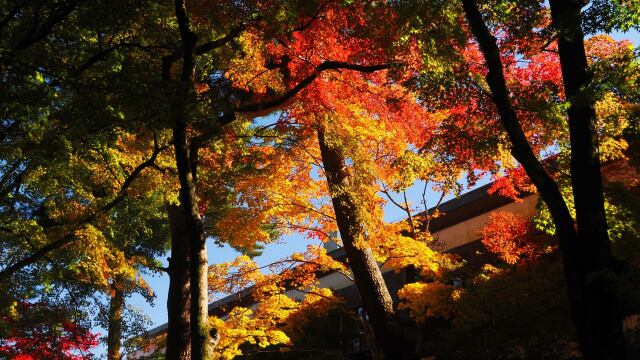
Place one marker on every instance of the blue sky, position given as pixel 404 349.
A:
pixel 159 283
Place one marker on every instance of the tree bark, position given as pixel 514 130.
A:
pixel 114 335
pixel 374 294
pixel 179 297
pixel 601 335
pixel 593 311
pixel 198 263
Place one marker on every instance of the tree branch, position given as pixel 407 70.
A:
pixel 327 65
pixel 314 17
pixel 169 60
pixel 102 55
pixel 70 236
pixel 59 13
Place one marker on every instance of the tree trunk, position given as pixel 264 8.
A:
pixel 114 336
pixel 601 334
pixel 198 262
pixel 179 298
pixel 201 348
pixel 374 294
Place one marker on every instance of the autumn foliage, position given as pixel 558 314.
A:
pixel 35 331
pixel 513 239
pixel 262 120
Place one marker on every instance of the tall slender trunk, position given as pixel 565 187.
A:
pixel 114 335
pixel 198 263
pixel 585 250
pixel 179 297
pixel 601 333
pixel 374 294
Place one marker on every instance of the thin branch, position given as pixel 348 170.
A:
pixel 424 196
pixel 310 209
pixel 169 60
pixel 70 236
pixel 102 55
pixel 409 215
pixel 314 17
pixel 212 45
pixel 549 42
pixel 60 12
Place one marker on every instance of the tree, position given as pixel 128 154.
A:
pixel 586 249
pixel 65 178
pixel 599 323
pixel 186 155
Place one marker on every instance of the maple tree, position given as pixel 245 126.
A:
pixel 186 170
pixel 71 163
pixel 277 316
pixel 586 249
pixel 251 192
pixel 189 203
pixel 523 89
